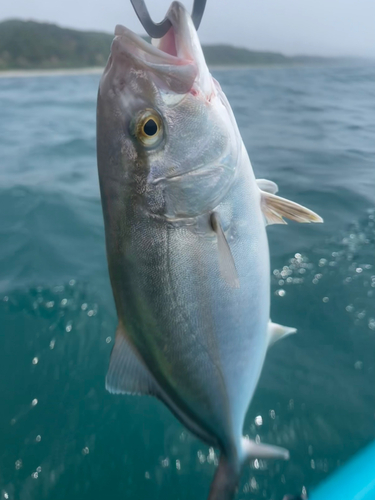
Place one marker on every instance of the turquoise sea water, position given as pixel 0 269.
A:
pixel 311 130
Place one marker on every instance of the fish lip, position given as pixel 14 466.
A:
pixel 135 45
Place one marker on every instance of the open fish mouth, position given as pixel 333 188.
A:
pixel 164 51
pixel 176 59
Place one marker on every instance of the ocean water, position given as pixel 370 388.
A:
pixel 312 131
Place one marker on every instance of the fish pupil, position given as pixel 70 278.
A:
pixel 150 127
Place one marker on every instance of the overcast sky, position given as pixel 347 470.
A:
pixel 321 27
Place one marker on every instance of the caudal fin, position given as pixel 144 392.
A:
pixel 226 479
pixel 251 449
pixel 229 470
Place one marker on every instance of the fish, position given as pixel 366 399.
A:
pixel 187 250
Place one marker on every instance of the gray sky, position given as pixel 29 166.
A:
pixel 321 27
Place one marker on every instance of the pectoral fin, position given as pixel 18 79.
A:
pixel 126 373
pixel 226 262
pixel 277 332
pixel 275 208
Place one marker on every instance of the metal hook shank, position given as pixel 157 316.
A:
pixel 158 30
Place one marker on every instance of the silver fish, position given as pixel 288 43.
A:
pixel 186 241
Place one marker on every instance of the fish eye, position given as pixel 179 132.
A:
pixel 149 128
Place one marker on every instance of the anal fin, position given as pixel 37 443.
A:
pixel 275 208
pixel 126 373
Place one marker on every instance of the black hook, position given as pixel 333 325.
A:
pixel 157 30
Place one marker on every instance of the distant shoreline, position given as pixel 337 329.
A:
pixel 49 50
pixel 24 73
pixel 27 73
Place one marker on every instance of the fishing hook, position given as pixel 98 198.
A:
pixel 158 30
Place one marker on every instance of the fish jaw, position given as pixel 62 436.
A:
pixel 175 63
pixel 182 39
pixel 132 57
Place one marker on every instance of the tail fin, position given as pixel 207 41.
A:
pixel 251 449
pixel 229 470
pixel 226 479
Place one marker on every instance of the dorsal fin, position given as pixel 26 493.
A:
pixel 267 186
pixel 127 373
pixel 226 262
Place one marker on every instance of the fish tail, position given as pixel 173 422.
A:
pixel 226 479
pixel 228 472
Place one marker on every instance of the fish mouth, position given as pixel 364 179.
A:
pixel 176 58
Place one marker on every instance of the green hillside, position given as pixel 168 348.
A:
pixel 227 55
pixel 28 44
pixel 33 45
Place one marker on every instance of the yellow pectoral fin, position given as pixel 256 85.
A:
pixel 275 208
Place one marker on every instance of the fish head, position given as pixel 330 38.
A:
pixel 167 137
